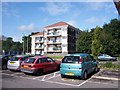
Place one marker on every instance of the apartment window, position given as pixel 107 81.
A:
pixel 64 37
pixel 64 45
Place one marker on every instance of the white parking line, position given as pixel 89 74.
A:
pixel 108 78
pixel 61 83
pixel 103 83
pixel 84 82
pixel 51 77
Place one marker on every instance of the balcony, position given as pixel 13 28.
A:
pixel 54 34
pixel 39 47
pixel 54 42
pixel 39 41
pixel 54 49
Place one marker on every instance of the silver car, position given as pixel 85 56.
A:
pixel 15 62
pixel 105 57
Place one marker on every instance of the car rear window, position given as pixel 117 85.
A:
pixel 71 59
pixel 16 58
pixel 30 60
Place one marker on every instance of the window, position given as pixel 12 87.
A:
pixel 64 37
pixel 64 45
pixel 87 59
pixel 30 60
pixel 49 60
pixel 71 59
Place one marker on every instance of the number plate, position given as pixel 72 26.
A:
pixel 70 73
pixel 11 62
pixel 25 66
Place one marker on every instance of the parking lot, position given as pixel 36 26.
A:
pixel 102 79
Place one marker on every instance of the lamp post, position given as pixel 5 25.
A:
pixel 27 44
pixel 23 43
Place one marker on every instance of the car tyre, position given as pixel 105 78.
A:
pixel 39 72
pixel 63 76
pixel 96 69
pixel 4 67
pixel 85 76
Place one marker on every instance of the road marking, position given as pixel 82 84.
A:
pixel 51 77
pixel 108 78
pixel 84 82
pixel 102 83
pixel 37 77
pixel 44 76
pixel 61 83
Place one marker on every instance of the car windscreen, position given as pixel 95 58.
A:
pixel 71 59
pixel 29 60
pixel 16 58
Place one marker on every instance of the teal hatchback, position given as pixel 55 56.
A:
pixel 78 65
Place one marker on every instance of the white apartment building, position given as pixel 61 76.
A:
pixel 37 43
pixel 59 38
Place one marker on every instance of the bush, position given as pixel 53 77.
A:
pixel 109 66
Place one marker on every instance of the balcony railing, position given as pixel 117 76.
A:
pixel 54 34
pixel 39 47
pixel 54 42
pixel 39 41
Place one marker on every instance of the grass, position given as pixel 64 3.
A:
pixel 55 57
pixel 109 66
pixel 118 58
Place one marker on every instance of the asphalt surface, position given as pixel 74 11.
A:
pixel 12 79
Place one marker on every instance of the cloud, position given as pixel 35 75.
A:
pixel 94 20
pixel 29 27
pixel 56 8
pixel 17 38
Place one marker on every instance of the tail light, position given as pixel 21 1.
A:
pixel 80 60
pixel 19 58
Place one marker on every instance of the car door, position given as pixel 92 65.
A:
pixel 87 64
pixel 51 64
pixel 92 64
pixel 43 64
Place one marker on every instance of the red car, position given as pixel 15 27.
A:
pixel 39 64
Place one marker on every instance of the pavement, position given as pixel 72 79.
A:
pixel 102 79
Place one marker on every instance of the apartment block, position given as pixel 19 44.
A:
pixel 37 43
pixel 59 38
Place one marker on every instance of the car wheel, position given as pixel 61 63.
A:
pixel 39 72
pixel 96 69
pixel 63 76
pixel 4 67
pixel 84 77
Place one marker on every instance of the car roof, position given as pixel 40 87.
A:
pixel 78 54
pixel 38 56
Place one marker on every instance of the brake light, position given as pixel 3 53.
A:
pixel 19 58
pixel 80 60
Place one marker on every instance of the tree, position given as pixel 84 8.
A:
pixel 84 42
pixel 96 43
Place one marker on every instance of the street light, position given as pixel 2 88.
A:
pixel 23 42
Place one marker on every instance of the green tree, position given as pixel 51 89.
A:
pixel 84 42
pixel 96 43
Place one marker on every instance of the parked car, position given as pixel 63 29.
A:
pixel 3 61
pixel 39 64
pixel 15 62
pixel 78 65
pixel 105 57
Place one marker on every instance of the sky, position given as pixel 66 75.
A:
pixel 22 18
